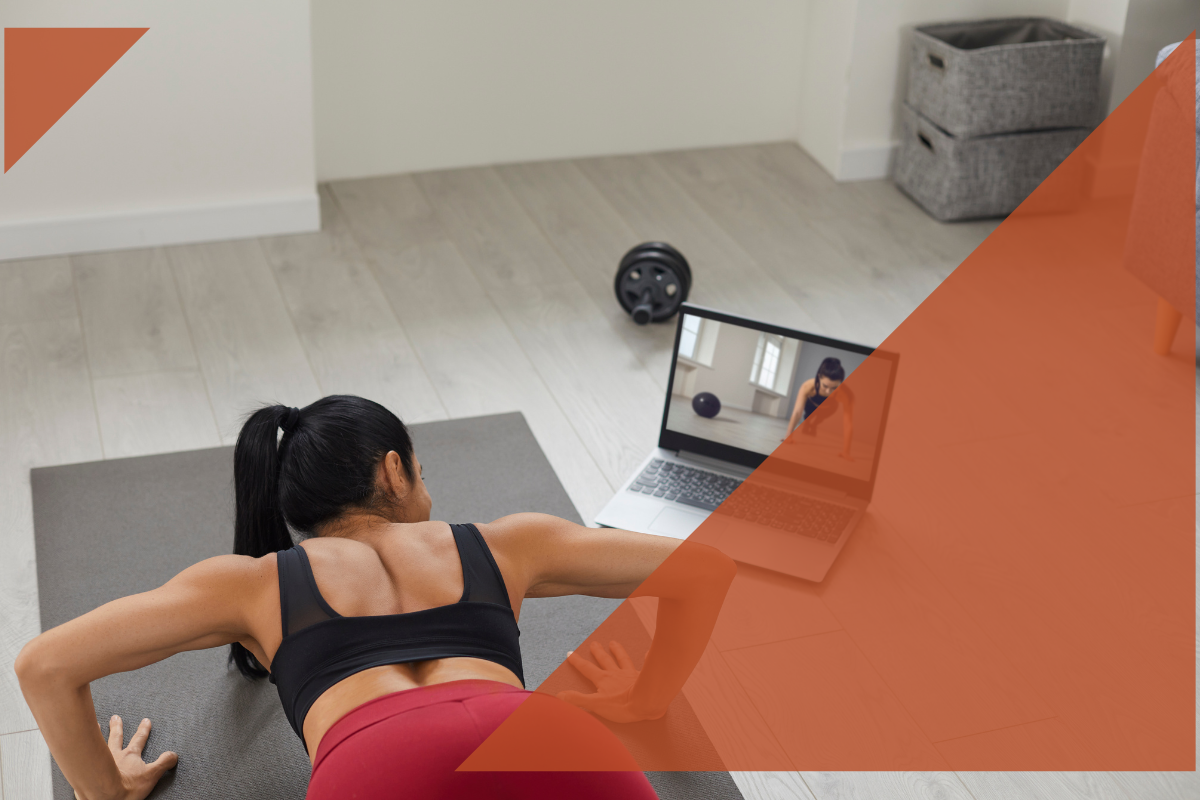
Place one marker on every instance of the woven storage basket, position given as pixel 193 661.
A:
pixel 1005 75
pixel 983 176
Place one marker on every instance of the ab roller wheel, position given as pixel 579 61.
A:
pixel 652 281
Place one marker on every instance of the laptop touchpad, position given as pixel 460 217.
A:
pixel 676 523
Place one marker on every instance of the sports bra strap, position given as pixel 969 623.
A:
pixel 300 602
pixel 482 581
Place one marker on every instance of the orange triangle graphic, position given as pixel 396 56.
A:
pixel 1020 592
pixel 46 71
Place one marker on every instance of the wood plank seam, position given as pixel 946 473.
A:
pixel 287 308
pixel 866 659
pixel 187 324
pixel 365 252
pixel 967 613
pixel 993 730
pixel 86 358
pixel 516 339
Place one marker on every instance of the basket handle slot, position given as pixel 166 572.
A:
pixel 925 141
pixel 936 61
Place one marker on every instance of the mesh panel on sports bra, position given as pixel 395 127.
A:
pixel 302 604
pixel 300 600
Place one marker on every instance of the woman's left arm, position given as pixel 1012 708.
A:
pixel 204 606
pixel 551 557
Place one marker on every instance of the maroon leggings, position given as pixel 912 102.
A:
pixel 409 744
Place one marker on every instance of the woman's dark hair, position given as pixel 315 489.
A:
pixel 324 465
pixel 831 368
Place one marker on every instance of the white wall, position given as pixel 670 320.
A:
pixel 409 85
pixel 729 378
pixel 1149 26
pixel 856 68
pixel 828 50
pixel 203 130
pixel 1107 18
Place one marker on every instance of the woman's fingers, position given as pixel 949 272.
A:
pixel 584 701
pixel 602 657
pixel 623 659
pixel 116 738
pixel 589 670
pixel 166 761
pixel 137 742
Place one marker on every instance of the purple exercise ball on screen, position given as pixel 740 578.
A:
pixel 706 404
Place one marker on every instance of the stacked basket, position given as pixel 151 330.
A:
pixel 993 108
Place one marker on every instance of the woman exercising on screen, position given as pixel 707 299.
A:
pixel 815 404
pixel 422 663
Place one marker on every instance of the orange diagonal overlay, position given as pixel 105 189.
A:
pixel 46 71
pixel 1020 593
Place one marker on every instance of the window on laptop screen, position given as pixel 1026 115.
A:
pixel 766 383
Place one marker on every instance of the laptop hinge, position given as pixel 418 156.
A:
pixel 715 463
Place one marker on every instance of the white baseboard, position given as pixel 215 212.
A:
pixel 865 163
pixel 66 235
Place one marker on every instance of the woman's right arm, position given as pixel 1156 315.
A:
pixel 550 557
pixel 203 606
pixel 798 408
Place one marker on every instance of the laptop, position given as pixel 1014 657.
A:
pixel 736 388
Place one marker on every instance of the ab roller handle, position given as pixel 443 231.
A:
pixel 644 309
pixel 652 282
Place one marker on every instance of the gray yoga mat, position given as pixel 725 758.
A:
pixel 108 529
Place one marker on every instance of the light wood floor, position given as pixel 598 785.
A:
pixel 455 294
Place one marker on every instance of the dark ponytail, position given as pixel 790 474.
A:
pixel 324 465
pixel 259 527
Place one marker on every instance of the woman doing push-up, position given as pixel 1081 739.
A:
pixel 816 402
pixel 390 637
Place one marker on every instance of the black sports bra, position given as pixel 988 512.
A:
pixel 321 647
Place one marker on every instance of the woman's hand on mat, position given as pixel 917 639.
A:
pixel 613 675
pixel 138 778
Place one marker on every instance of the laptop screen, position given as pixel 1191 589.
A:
pixel 752 388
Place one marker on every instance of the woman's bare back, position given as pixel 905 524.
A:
pixel 399 568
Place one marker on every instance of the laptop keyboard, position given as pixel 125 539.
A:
pixel 702 489
pixel 687 485
pixel 794 513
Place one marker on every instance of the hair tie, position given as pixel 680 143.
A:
pixel 289 422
